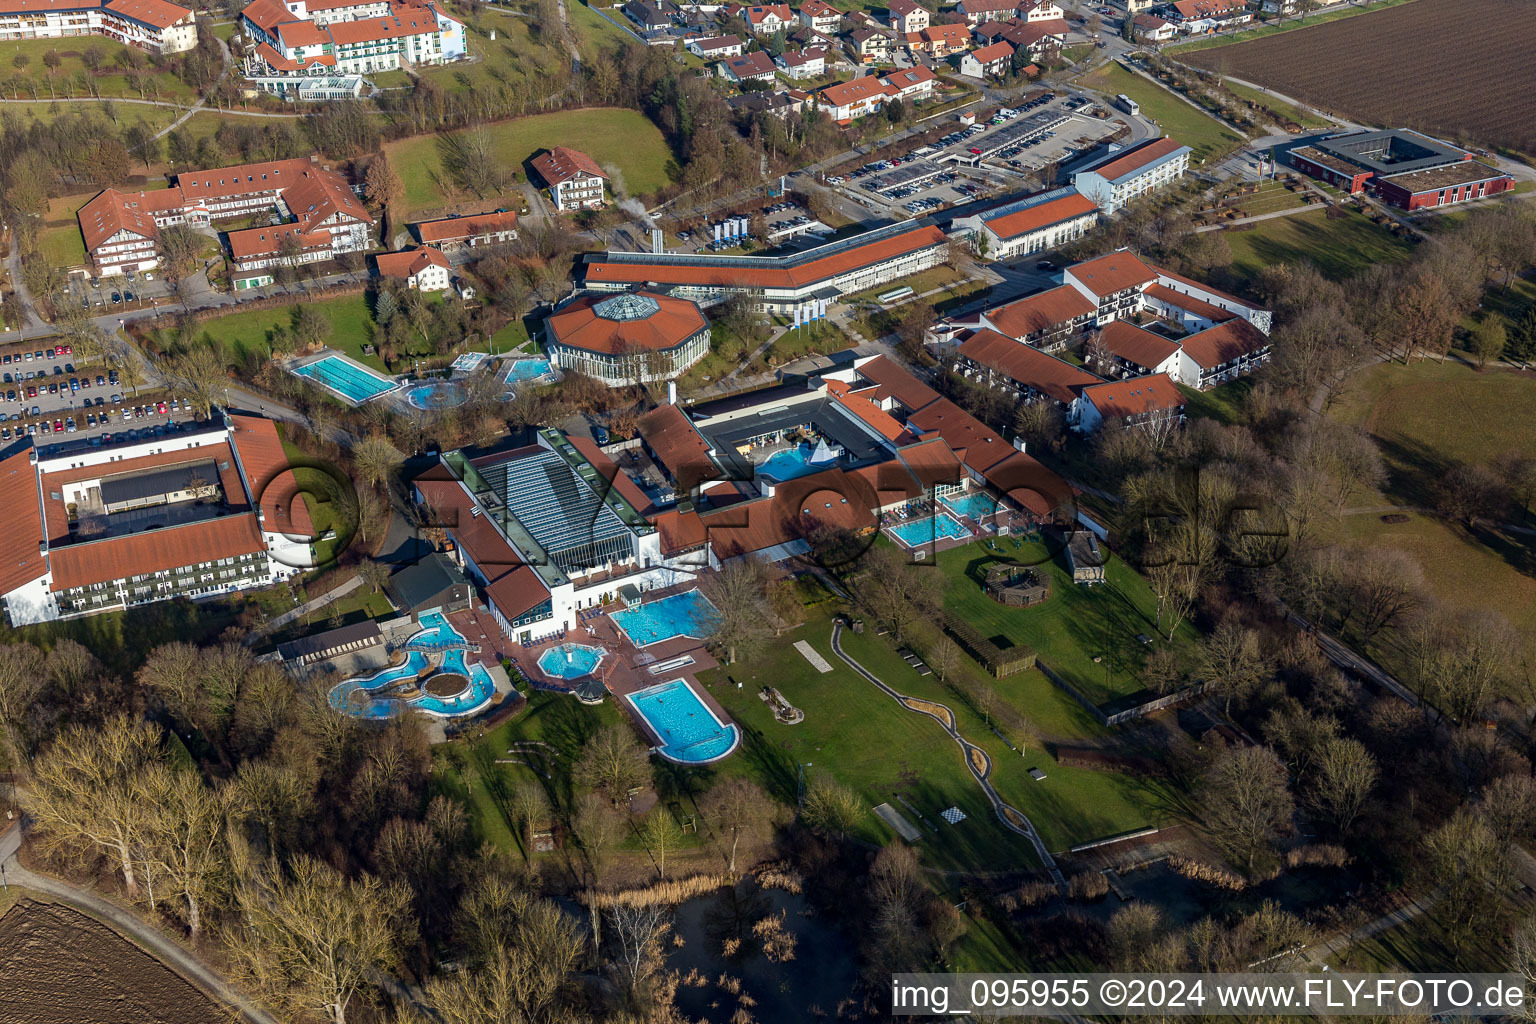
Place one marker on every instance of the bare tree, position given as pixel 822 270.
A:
pixel 832 809
pixel 376 459
pixel 614 762
pixel 1247 802
pixel 1346 774
pixel 740 623
pixel 85 789
pixel 898 593
pixel 737 809
pixel 374 574
pixel 660 834
pixel 21 683
pixel 315 942
pixel 185 837
pixel 638 931
pixel 1230 661
pixel 1386 584
pixel 198 376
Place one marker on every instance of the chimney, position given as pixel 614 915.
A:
pixel 671 392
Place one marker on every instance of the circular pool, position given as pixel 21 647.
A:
pixel 444 394
pixel 571 661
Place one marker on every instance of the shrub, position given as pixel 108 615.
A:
pixel 1087 886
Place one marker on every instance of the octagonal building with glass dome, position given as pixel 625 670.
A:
pixel 632 338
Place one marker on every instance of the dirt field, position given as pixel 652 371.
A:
pixel 60 967
pixel 1452 68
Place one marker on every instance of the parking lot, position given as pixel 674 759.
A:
pixel 43 393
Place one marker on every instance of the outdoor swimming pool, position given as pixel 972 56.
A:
pixel 527 369
pixel 921 531
pixel 352 381
pixel 688 730
pixel 685 614
pixel 356 696
pixel 570 661
pixel 441 395
pixel 975 504
pixel 479 693
pixel 436 634
pixel 787 465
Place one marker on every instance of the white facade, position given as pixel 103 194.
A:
pixel 1112 193
pixel 583 192
pixel 18 21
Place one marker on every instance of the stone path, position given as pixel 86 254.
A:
pixel 976 759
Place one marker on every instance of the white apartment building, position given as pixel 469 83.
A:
pixel 574 180
pixel 1128 174
pixel 306 38
pixel 153 25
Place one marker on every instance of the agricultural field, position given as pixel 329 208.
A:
pixel 1356 67
pixel 1208 138
pixel 621 140
pixel 62 967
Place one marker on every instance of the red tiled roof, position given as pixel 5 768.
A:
pixel 1223 343
pixel 154 13
pixel 755 15
pixel 579 325
pixel 266 15
pixel 116 558
pixel 252 242
pixel 797 507
pixel 411 262
pixel 1027 365
pixel 1137 157
pixel 512 586
pixel 451 229
pixel 717 43
pixel 820 9
pixel 770 277
pixel 562 164
pixel 112 211
pixel 302 33
pixel 748 64
pixel 894 381
pixel 1112 273
pixel 680 531
pixel 1030 33
pixel 908 78
pixel 1135 396
pixel 677 444
pixel 1023 317
pixel 931 462
pixel 272 483
pixel 20 561
pixel 319 194
pixel 1000 50
pixel 46 6
pixel 269 53
pixel 403 20
pixel 867 412
pixel 1041 215
pixel 1199 307
pixel 902 7
pixel 1163 272
pixel 841 94
pixel 242 179
pixel 1141 347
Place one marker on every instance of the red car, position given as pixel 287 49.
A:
pixel 67 350
pixel 160 408
pixel 58 425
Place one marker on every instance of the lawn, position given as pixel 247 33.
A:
pixel 513 56
pixel 1073 626
pixel 623 142
pixel 1208 138
pixel 358 606
pixel 593 31
pixel 60 240
pixel 110 82
pixel 1340 247
pixel 237 334
pixel 1223 403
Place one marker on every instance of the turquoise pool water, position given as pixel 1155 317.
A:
pixel 570 661
pixel 442 395
pixel 479 693
pixel 787 465
pixel 436 634
pixel 347 379
pixel 356 696
pixel 527 369
pixel 685 614
pixel 975 504
pixel 689 732
pixel 919 532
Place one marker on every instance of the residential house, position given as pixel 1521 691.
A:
pixel 803 63
pixel 715 47
pixel 904 17
pixel 1126 174
pixel 992 61
pixel 939 41
pixel 848 101
pixel 650 17
pixel 574 180
pixel 978 11
pixel 779 104
pixel 1048 320
pixel 1043 40
pixel 153 25
pixel 756 66
pixel 821 16
pixel 767 19
pixel 911 84
pixel 1150 28
pixel 1123 349
pixel 1027 374
pixel 1040 10
pixel 423 269
pixel 1147 403
pixel 1197 16
pixel 870 46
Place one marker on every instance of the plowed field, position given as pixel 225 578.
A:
pixel 60 967
pixel 1458 69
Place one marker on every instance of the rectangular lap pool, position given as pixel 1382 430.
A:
pixel 924 531
pixel 348 380
pixel 686 730
pixel 685 614
pixel 976 505
pixel 527 369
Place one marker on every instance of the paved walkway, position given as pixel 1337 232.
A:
pixel 279 621
pixel 140 931
pixel 976 759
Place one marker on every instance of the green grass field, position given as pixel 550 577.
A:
pixel 1340 247
pixel 619 139
pixel 110 82
pixel 60 239
pixel 593 31
pixel 236 334
pixel 1073 626
pixel 1208 138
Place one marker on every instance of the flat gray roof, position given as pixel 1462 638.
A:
pixel 151 484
